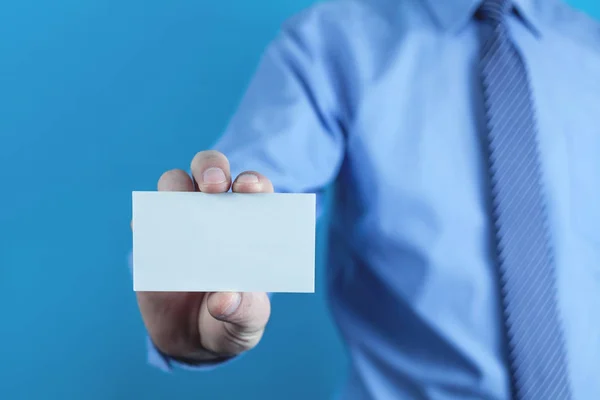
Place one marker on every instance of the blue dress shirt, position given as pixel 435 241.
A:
pixel 382 98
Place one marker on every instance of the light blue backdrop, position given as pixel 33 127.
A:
pixel 98 98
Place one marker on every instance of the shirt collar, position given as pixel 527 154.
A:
pixel 452 15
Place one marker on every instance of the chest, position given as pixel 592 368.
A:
pixel 419 135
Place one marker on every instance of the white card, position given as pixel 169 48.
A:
pixel 197 242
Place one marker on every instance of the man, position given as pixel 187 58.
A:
pixel 463 139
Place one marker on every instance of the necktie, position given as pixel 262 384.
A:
pixel 536 349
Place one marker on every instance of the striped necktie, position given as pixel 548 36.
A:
pixel 536 348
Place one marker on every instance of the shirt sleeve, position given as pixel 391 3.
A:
pixel 287 126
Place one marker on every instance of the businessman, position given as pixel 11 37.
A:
pixel 463 140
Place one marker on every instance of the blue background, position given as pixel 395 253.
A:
pixel 98 98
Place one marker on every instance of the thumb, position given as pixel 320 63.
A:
pixel 231 323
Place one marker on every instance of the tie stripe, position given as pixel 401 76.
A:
pixel 536 349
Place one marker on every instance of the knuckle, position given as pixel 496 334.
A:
pixel 237 341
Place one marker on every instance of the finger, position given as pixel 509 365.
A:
pixel 175 180
pixel 211 172
pixel 252 182
pixel 231 323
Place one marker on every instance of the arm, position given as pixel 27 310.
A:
pixel 286 127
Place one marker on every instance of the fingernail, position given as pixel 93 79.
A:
pixel 247 178
pixel 234 303
pixel 213 175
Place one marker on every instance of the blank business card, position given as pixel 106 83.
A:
pixel 197 242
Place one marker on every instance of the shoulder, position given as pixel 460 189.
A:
pixel 333 33
pixel 338 12
pixel 337 18
pixel 341 30
pixel 357 18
